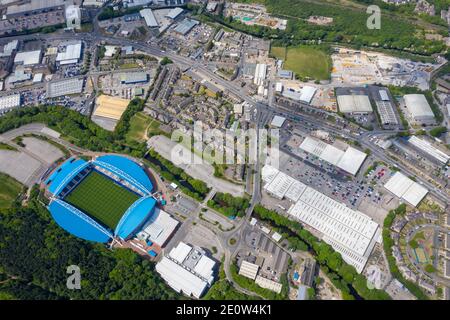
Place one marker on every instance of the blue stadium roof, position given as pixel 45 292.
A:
pixel 128 170
pixel 78 223
pixel 135 216
pixel 65 173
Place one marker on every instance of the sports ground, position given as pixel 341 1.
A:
pixel 305 61
pixel 102 199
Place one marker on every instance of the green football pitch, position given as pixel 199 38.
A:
pixel 102 199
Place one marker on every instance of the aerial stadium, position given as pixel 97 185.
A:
pixel 108 197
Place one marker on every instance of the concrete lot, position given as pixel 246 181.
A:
pixel 20 166
pixel 46 151
pixel 201 236
pixel 219 219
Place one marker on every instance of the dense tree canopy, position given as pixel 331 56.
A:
pixel 35 254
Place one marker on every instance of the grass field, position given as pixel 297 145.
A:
pixel 9 190
pixel 306 62
pixel 141 124
pixel 101 198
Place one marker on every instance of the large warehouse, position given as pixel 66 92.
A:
pixel 355 104
pixel 406 189
pixel 419 111
pixel 350 232
pixel 429 149
pixel 104 198
pixel 349 160
pixel 187 270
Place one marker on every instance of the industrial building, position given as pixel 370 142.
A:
pixel 268 284
pixel 260 74
pixel 175 13
pixel 350 232
pixel 71 55
pixel 8 103
pixel 187 270
pixel 278 121
pixel 349 160
pixel 159 228
pixel 35 7
pixel 385 108
pixel 133 77
pixel 185 26
pixel 354 103
pixel 65 87
pixel 429 149
pixel 149 18
pixel 305 95
pixel 28 58
pixel 406 189
pixel 418 109
pixel 285 74
pixel 9 48
pixel 248 269
pixel 19 76
pixel 110 107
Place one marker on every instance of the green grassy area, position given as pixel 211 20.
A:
pixel 4 146
pixel 102 199
pixel 140 124
pixel 306 62
pixel 9 190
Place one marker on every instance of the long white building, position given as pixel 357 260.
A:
pixel 187 270
pixel 429 149
pixel 260 74
pixel 350 232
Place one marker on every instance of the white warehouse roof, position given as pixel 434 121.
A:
pixel 28 58
pixel 279 185
pixel 351 233
pixel 406 189
pixel 65 87
pixel 428 148
pixel 307 93
pixel 175 12
pixel 352 160
pixel 72 53
pixel 349 160
pixel 418 106
pixel 160 227
pixel 278 121
pixel 180 252
pixel 149 17
pixel 187 270
pixel 180 279
pixel 354 104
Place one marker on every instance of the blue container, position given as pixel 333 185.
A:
pixel 152 253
